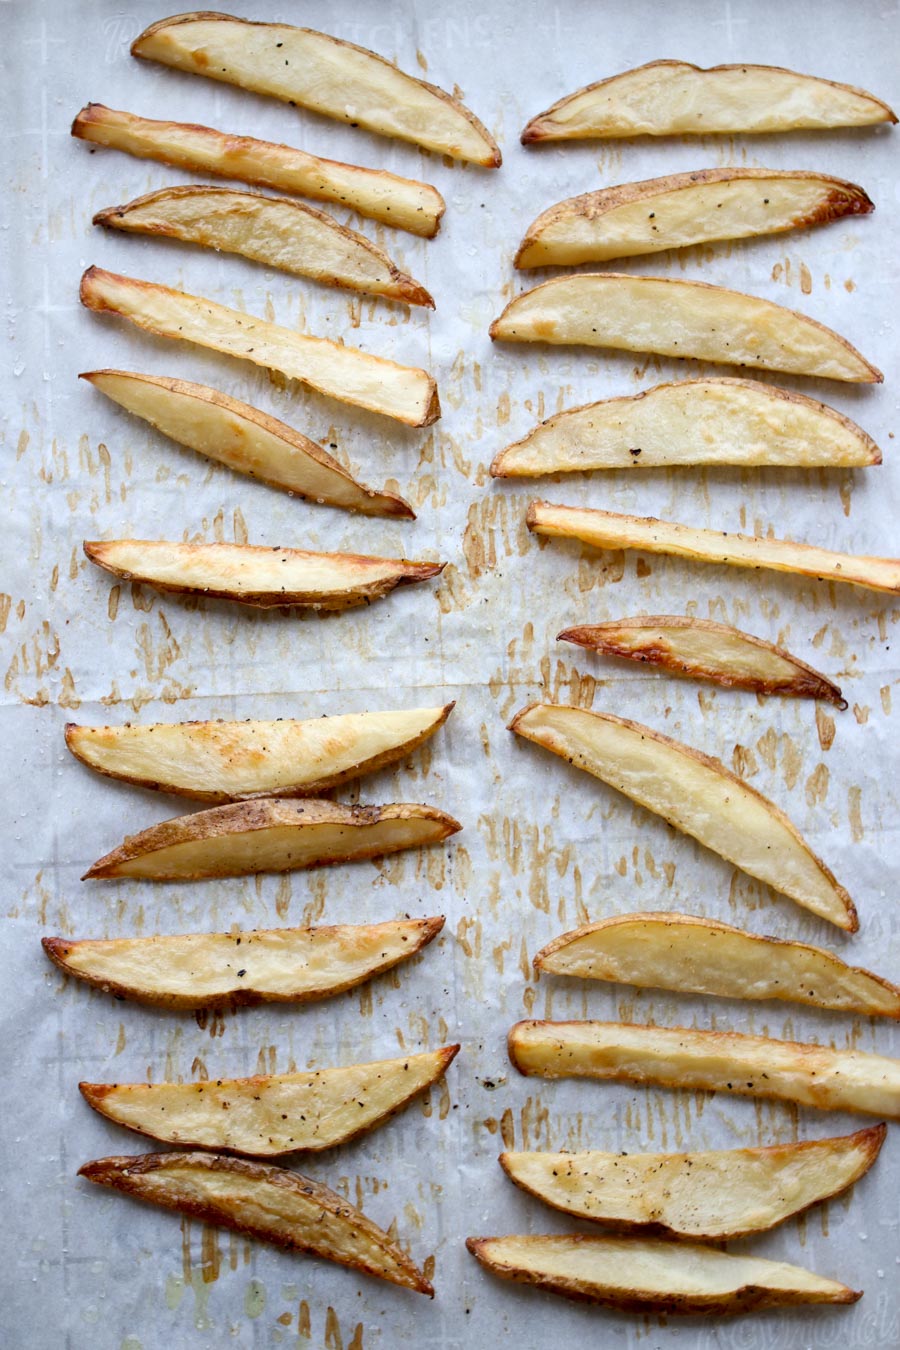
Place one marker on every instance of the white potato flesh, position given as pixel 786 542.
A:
pixel 696 794
pixel 716 1061
pixel 356 377
pixel 314 70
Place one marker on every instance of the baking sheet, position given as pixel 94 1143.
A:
pixel 543 847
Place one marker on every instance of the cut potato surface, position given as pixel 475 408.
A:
pixel 265 1202
pixel 323 73
pixel 696 794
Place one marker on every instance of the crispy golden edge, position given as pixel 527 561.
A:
pixel 806 683
pixel 715 766
pixel 125 1173
pixel 492 158
pixel 58 950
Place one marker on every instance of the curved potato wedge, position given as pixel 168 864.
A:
pixel 697 795
pixel 704 650
pixel 320 72
pixel 356 377
pixel 608 529
pixel 693 422
pixel 675 98
pixel 267 578
pixel 680 318
pixel 271 835
pixel 232 761
pixel 683 209
pixel 270 1115
pixel 274 231
pixel 702 956
pixel 222 970
pixel 646 1276
pixel 401 202
pixel 265 1202
pixel 245 439
pixel 715 1061
pixel 704 1196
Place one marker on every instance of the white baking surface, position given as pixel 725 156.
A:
pixel 544 846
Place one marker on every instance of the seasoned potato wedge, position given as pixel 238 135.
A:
pixel 401 202
pixel 704 650
pixel 267 578
pixel 702 956
pixel 696 794
pixel 608 529
pixel 675 98
pixel 693 422
pixel 403 392
pixel 271 835
pixel 264 1202
pixel 274 231
pixel 245 439
pixel 272 1114
pixel 323 73
pixel 717 1061
pixel 680 318
pixel 231 761
pixel 706 1196
pixel 221 970
pixel 646 1276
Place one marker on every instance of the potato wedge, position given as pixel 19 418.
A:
pixel 702 956
pixel 224 970
pixel 245 439
pixel 264 1202
pixel 691 423
pixel 316 71
pixel 402 202
pixel 716 1061
pixel 646 1276
pixel 705 1196
pixel 704 650
pixel 232 761
pixel 675 98
pixel 274 231
pixel 683 209
pixel 680 318
pixel 403 392
pixel 270 1115
pixel 697 795
pixel 267 578
pixel 271 835
pixel 608 529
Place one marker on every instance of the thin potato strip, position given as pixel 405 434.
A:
pixel 697 795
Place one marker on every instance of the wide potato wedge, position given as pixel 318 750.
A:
pixel 223 970
pixel 264 1202
pixel 697 795
pixel 715 1061
pixel 402 202
pixel 274 231
pixel 704 1196
pixel 675 98
pixel 704 650
pixel 680 318
pixel 645 1276
pixel 271 835
pixel 702 956
pixel 245 439
pixel 608 529
pixel 232 761
pixel 356 377
pixel 266 578
pixel 270 1115
pixel 322 73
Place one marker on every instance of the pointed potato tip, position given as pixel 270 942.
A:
pixel 55 948
pixel 449 1053
pixel 534 131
